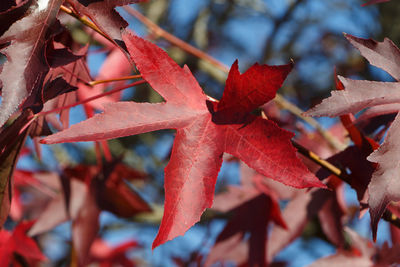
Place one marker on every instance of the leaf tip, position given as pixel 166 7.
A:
pixel 44 141
pixel 321 185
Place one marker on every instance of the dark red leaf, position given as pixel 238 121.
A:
pixel 24 72
pixel 10 13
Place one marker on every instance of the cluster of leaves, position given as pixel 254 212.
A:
pixel 45 73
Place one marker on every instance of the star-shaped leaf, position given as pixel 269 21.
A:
pixel 205 130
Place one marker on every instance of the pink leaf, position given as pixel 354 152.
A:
pixel 359 94
pixel 384 186
pixel 384 55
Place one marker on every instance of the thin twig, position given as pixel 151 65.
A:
pixel 279 99
pixel 93 83
pixel 323 163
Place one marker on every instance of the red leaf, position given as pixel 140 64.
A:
pixel 57 211
pixel 18 242
pixel 204 132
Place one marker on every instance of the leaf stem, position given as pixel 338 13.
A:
pixel 85 21
pixel 323 163
pixel 279 99
pixel 43 113
pixel 92 83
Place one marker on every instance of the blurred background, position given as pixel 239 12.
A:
pixel 309 32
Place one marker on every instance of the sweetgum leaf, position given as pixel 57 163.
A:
pixel 382 97
pixel 355 160
pixel 358 95
pixel 26 66
pixel 364 94
pixel 384 186
pixel 384 55
pixel 61 56
pixel 331 217
pixel 203 135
